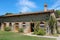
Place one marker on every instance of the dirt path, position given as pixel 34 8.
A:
pixel 42 36
pixel 58 38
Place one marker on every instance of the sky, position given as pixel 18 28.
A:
pixel 17 6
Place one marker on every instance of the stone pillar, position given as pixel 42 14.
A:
pixel 12 28
pixel 20 24
pixel 7 24
pixel 2 27
pixel 27 29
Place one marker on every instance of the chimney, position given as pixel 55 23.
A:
pixel 45 7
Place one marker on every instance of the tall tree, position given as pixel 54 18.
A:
pixel 57 13
pixel 52 24
pixel 8 13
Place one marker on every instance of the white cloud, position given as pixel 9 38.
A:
pixel 25 9
pixel 26 5
pixel 56 5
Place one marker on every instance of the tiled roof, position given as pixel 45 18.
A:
pixel 31 13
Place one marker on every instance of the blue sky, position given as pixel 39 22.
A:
pixel 16 6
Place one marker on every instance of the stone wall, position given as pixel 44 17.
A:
pixel 26 18
pixel 20 25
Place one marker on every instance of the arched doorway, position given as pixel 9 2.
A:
pixel 32 27
pixel 0 25
pixel 4 25
pixel 16 28
pixel 10 25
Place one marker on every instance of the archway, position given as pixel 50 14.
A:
pixel 32 27
pixel 16 28
pixel 4 25
pixel 0 25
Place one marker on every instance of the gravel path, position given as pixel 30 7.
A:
pixel 58 38
pixel 41 36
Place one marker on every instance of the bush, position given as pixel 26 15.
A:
pixel 21 30
pixel 36 27
pixel 38 30
pixel 41 32
pixel 7 29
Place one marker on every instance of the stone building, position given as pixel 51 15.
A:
pixel 26 20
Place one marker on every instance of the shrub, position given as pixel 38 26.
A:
pixel 52 24
pixel 36 27
pixel 38 30
pixel 21 30
pixel 7 29
pixel 41 32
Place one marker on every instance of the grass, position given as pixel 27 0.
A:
pixel 18 36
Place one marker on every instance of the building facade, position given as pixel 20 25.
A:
pixel 27 20
pixel 24 20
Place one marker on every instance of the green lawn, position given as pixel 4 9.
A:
pixel 17 36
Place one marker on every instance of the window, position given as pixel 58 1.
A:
pixel 4 24
pixel 16 24
pixel 24 24
pixel 10 24
pixel 42 24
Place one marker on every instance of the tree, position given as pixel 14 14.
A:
pixel 38 30
pixel 57 13
pixel 52 24
pixel 8 13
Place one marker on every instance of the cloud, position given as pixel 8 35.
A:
pixel 25 9
pixel 56 5
pixel 26 5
